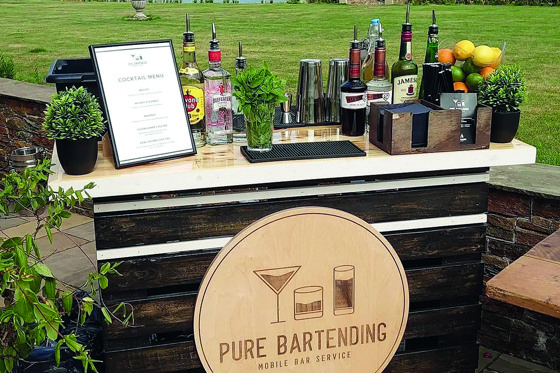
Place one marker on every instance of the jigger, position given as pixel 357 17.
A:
pixel 286 106
pixel 310 103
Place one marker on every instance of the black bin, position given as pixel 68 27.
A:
pixel 75 72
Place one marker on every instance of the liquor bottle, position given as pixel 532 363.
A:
pixel 379 89
pixel 432 44
pixel 353 95
pixel 192 82
pixel 404 71
pixel 367 66
pixel 217 96
pixel 431 48
pixel 239 134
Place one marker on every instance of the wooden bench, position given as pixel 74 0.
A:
pixel 532 281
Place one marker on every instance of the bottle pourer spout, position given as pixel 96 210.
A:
pixel 213 31
pixel 188 22
pixel 240 50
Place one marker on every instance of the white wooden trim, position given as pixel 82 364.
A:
pixel 217 243
pixel 356 187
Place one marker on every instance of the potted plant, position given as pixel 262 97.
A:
pixel 504 90
pixel 258 91
pixel 74 121
pixel 35 308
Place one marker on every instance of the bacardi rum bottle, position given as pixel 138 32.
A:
pixel 192 82
pixel 218 98
pixel 404 72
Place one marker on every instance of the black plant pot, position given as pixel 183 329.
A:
pixel 77 157
pixel 504 126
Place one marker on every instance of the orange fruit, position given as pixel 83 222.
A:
pixel 446 56
pixel 486 71
pixel 460 86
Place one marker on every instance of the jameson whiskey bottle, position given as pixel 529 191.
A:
pixel 218 97
pixel 404 72
pixel 353 95
pixel 192 82
pixel 239 134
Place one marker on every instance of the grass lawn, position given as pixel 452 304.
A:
pixel 35 33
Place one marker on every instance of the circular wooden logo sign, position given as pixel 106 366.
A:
pixel 303 290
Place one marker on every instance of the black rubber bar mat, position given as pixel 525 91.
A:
pixel 304 150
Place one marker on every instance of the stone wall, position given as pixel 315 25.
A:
pixel 524 208
pixel 21 116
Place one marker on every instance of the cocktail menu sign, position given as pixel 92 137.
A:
pixel 146 110
pixel 303 290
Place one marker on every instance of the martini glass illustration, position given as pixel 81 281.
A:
pixel 277 279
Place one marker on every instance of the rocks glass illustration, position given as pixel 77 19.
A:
pixel 344 289
pixel 277 279
pixel 308 302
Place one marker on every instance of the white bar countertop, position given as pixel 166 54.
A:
pixel 223 166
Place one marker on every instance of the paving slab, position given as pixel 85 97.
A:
pixel 509 364
pixel 84 231
pixel 10 221
pixel 72 266
pixel 485 357
pixel 61 243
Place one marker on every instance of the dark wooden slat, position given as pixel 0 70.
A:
pixel 172 357
pixel 459 359
pixel 453 320
pixel 445 282
pixel 438 243
pixel 192 223
pixel 159 271
pixel 182 356
pixel 189 268
pixel 175 312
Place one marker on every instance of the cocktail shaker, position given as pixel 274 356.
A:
pixel 338 74
pixel 310 104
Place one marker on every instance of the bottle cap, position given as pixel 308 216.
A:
pixel 433 29
pixel 188 35
pixel 240 61
pixel 355 44
pixel 407 26
pixel 214 53
pixel 374 21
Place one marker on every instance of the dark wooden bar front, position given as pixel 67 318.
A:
pixel 166 222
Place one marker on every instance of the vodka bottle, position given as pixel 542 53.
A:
pixel 217 92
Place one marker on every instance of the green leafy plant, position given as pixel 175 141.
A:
pixel 7 67
pixel 258 91
pixel 33 305
pixel 504 90
pixel 74 114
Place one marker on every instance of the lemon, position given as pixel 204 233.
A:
pixel 497 57
pixel 463 49
pixel 483 55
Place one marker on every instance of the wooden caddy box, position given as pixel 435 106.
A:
pixel 444 130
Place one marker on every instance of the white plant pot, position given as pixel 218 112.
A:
pixel 139 6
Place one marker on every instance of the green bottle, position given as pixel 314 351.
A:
pixel 431 48
pixel 404 72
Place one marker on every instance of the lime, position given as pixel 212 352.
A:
pixel 473 80
pixel 458 74
pixel 469 67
